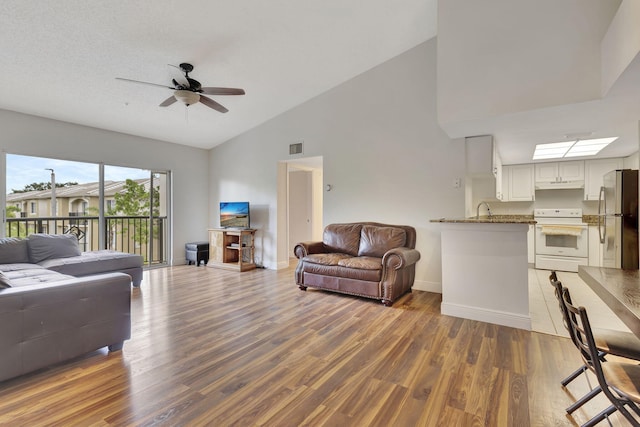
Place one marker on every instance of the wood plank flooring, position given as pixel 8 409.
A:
pixel 219 348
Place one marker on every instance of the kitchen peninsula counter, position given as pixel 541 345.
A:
pixel 493 219
pixel 485 269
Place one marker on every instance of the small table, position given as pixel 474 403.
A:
pixel 619 289
pixel 197 252
pixel 232 249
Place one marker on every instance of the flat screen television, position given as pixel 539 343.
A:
pixel 234 214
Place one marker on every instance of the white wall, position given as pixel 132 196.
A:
pixel 383 153
pixel 35 136
pixel 621 43
pixel 550 55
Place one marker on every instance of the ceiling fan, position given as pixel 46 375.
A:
pixel 189 91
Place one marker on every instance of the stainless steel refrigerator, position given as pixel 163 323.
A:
pixel 618 219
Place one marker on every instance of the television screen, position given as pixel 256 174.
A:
pixel 234 214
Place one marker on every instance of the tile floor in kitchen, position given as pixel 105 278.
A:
pixel 544 309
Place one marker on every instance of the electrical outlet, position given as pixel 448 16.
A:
pixel 457 183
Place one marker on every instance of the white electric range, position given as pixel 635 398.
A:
pixel 562 239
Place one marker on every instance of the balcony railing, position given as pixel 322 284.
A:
pixel 132 234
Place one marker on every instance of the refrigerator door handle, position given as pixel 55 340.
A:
pixel 601 201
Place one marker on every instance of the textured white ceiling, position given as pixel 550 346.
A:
pixel 59 59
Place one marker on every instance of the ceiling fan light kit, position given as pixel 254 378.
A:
pixel 188 90
pixel 186 96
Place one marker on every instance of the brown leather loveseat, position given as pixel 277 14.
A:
pixel 367 259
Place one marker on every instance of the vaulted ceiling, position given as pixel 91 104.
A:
pixel 60 59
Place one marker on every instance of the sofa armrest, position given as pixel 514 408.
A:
pixel 303 249
pixel 398 258
pixel 49 323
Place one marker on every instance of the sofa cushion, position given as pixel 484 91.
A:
pixel 13 250
pixel 34 276
pixel 6 268
pixel 94 262
pixel 4 281
pixel 48 246
pixel 376 241
pixel 343 238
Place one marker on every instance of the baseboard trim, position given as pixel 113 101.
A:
pixel 490 316
pixel 424 285
pixel 282 265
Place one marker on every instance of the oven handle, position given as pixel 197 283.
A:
pixel 602 203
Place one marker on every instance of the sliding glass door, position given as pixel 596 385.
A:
pixel 136 212
pixel 126 209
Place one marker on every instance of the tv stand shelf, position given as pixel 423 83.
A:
pixel 232 249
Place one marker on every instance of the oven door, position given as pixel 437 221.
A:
pixel 562 240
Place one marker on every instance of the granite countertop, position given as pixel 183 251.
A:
pixel 493 219
pixel 590 219
pixel 509 219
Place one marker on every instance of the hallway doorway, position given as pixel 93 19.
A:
pixel 304 201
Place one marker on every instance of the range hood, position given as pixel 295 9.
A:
pixel 560 185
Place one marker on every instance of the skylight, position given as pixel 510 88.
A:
pixel 578 148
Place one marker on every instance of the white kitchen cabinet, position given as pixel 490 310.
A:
pixel 571 171
pixel 498 171
pixel 483 160
pixel 594 170
pixel 481 156
pixel 519 183
pixel 595 247
pixel 560 174
pixel 546 172
pixel 531 245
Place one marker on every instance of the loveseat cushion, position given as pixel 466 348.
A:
pixel 341 265
pixel 48 246
pixel 13 250
pixel 343 272
pixel 362 263
pixel 342 238
pixel 326 259
pixel 376 241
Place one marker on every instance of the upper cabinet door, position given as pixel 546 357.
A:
pixel 546 172
pixel 571 171
pixel 560 175
pixel 480 155
pixel 521 184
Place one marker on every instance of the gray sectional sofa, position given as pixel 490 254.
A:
pixel 57 303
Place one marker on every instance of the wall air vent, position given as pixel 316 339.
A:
pixel 295 148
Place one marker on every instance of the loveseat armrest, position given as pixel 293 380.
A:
pixel 303 249
pixel 398 258
pixel 398 273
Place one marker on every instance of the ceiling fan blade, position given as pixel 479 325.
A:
pixel 170 100
pixel 178 76
pixel 222 91
pixel 144 83
pixel 212 104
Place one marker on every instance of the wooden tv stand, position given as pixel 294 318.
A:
pixel 232 248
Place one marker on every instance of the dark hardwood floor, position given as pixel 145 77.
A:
pixel 212 347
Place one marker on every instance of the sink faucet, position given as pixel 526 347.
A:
pixel 478 209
